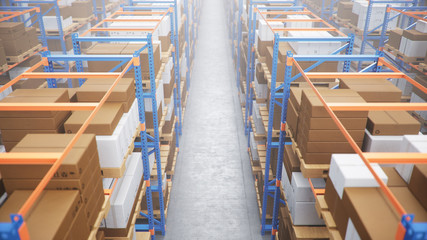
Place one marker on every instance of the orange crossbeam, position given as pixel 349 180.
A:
pixel 23 158
pixel 294 20
pixel 411 13
pixel 131 20
pixel 354 75
pixel 139 13
pixel 69 75
pixel 396 157
pixel 378 106
pixel 14 14
pixel 286 13
pixel 15 80
pixel 47 106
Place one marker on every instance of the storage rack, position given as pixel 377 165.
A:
pixel 11 14
pixel 407 229
pixel 368 34
pixel 17 229
pixel 278 12
pixel 411 13
pixel 61 33
pixel 325 10
pixel 152 141
pixel 239 41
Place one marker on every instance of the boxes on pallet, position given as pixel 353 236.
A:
pixel 395 38
pixel 377 15
pixel 411 143
pixel 301 187
pixel 418 182
pixel 421 26
pixel 15 38
pixel 124 194
pixel 82 9
pixel 375 143
pixel 344 9
pixel 373 89
pixel 169 118
pixel 51 23
pixel 265 32
pixel 256 116
pixel 413 43
pixel 307 24
pixel 253 147
pixel 313 47
pixel 348 170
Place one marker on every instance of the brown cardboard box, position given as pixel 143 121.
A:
pixel 418 183
pixel 43 95
pixel 79 228
pixel 394 179
pixel 167 127
pixel 395 38
pixel 291 162
pixel 51 216
pixel 262 47
pixel 28 84
pixel 73 165
pixel 9 135
pixel 260 74
pixel 373 219
pixel 33 60
pixel 328 123
pixel 414 35
pixel 331 135
pixel 280 75
pixel 410 203
pixel 81 9
pixel 392 123
pixel 65 11
pixel 168 88
pixel 292 119
pixel 55 44
pixel 105 49
pixel 51 123
pixel 354 18
pixel 17 46
pixel 336 207
pixel 149 117
pixel 344 9
pixel 166 42
pixel 94 93
pixel 373 90
pixel 8 30
pixel 145 67
pixel 315 108
pixel 103 123
pixel 326 147
pixel 32 36
pixel 95 202
pixel 2 54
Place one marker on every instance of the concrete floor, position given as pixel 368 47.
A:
pixel 213 194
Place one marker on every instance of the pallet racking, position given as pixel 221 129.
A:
pixel 407 228
pixel 26 15
pixel 326 10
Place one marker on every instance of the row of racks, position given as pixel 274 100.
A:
pixel 141 148
pixel 282 53
pixel 53 22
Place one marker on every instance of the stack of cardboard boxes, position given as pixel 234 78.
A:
pixel 78 203
pixel 15 125
pixel 317 135
pixel 16 38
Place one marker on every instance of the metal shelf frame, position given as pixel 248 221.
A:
pixel 146 43
pixel 326 10
pixel 17 228
pixel 407 229
pixel 411 13
pixel 348 41
pixel 14 13
pixel 367 34
pixel 61 34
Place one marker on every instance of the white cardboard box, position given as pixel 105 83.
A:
pixel 381 143
pixel 304 213
pixel 301 187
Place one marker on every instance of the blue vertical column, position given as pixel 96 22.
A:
pixel 143 143
pixel 77 51
pixel 51 82
pixel 239 40
pixel 349 51
pixel 159 187
pixel 187 40
pixel 250 51
pixel 282 137
pixel 269 134
pixel 177 66
pixel 176 97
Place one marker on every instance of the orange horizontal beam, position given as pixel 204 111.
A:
pixel 286 13
pixel 305 29
pixel 15 14
pixel 396 158
pixel 70 75
pixel 378 106
pixel 23 158
pixel 354 75
pixel 47 106
pixel 139 13
pixel 120 29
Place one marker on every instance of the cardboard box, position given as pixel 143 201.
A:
pixel 328 135
pixel 416 43
pixel 392 123
pixel 328 123
pixel 166 42
pixel 55 44
pixel 292 119
pixel 354 19
pixel 344 9
pixel 315 108
pixel 81 9
pixel 418 182
pixel 63 206
pixel 373 90
pixel 9 30
pixel 336 207
pixel 16 47
pixel 395 37
pixel 33 60
pixel 262 47
pixel 52 123
pixel 2 55
pixel 373 219
pixel 94 93
pixel 32 36
pixel 394 179
pixel 79 228
pixel 103 123
pixel 291 162
pixel 410 203
pixel 65 11
pixel 105 49
pixel 73 165
pixel 145 67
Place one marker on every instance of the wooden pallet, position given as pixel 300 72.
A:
pixel 393 51
pixel 267 216
pixel 171 172
pixel 102 214
pixel 118 172
pixel 82 21
pixel 324 213
pixel 4 68
pixel 308 170
pixel 16 59
pixel 264 117
pixel 407 59
pixel 340 21
pixel 360 32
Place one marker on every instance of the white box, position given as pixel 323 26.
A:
pixel 415 48
pixel 299 24
pixel 348 170
pixel 381 143
pixel 50 22
pixel 421 26
pixel 304 213
pixel 286 184
pixel 411 143
pixel 301 187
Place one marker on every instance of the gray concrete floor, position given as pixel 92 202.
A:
pixel 213 194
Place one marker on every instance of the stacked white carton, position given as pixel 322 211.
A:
pixel 313 47
pixel 411 143
pixel 51 24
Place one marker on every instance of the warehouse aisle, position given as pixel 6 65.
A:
pixel 213 196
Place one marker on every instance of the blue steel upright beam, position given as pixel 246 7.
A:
pixel 250 61
pixel 239 40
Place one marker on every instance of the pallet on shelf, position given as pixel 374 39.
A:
pixel 360 32
pixel 16 59
pixel 82 21
pixel 67 30
pixel 324 213
pixel 102 214
pixel 340 21
pixel 407 59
